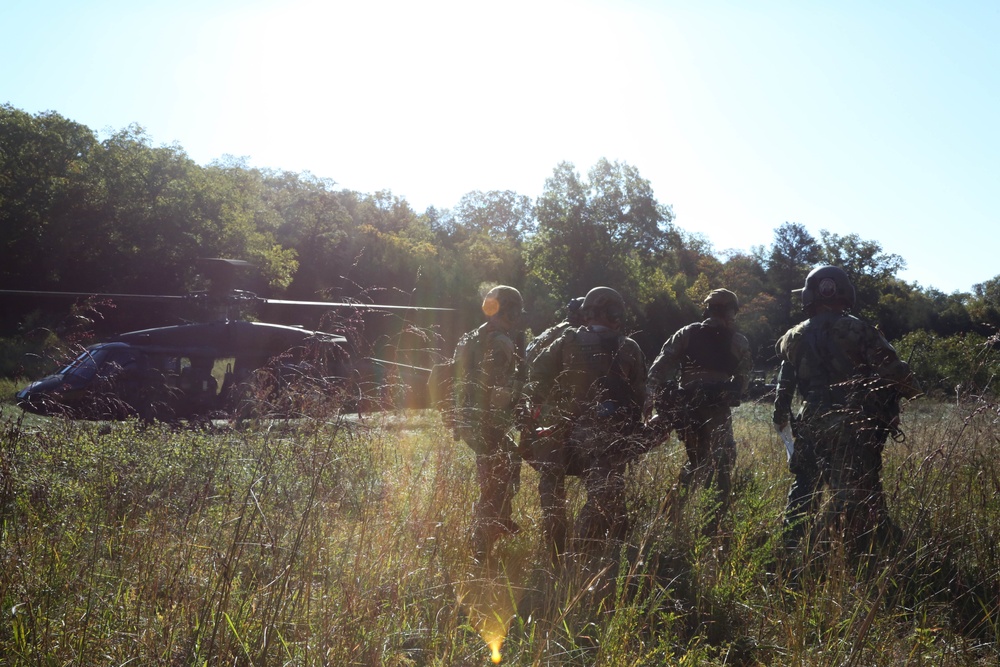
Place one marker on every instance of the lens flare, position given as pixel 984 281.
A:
pixel 489 601
pixel 495 652
pixel 491 306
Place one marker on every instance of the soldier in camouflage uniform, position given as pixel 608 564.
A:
pixel 699 376
pixel 592 379
pixel 850 380
pixel 487 384
pixel 543 340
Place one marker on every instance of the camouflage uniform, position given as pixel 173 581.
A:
pixel 547 337
pixel 487 382
pixel 593 380
pixel 850 380
pixel 710 363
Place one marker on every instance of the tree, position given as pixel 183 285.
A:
pixel 794 252
pixel 607 230
pixel 388 250
pixel 984 306
pixel 489 231
pixel 760 315
pixel 503 215
pixel 562 240
pixel 312 221
pixel 870 269
pixel 45 181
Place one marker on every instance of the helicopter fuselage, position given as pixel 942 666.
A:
pixel 176 372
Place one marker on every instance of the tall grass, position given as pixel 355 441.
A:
pixel 343 541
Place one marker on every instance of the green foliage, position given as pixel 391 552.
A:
pixel 119 214
pixel 966 364
pixel 489 229
pixel 984 307
pixel 22 358
pixel 607 230
pixel 44 174
pixel 869 267
pixel 44 343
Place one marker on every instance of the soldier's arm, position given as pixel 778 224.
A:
pixel 544 339
pixel 667 362
pixel 784 394
pixel 906 381
pixel 637 373
pixel 786 382
pixel 882 356
pixel 542 372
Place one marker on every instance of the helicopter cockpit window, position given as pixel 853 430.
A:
pixel 106 360
pixel 196 375
pixel 169 365
pixel 85 365
pixel 119 359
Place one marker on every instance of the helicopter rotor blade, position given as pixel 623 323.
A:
pixel 345 304
pixel 386 362
pixel 159 297
pixel 233 295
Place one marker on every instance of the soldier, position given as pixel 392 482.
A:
pixel 851 381
pixel 695 381
pixel 593 380
pixel 487 362
pixel 544 339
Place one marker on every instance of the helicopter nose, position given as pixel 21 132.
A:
pixel 40 396
pixel 28 399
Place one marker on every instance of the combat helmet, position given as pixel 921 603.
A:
pixel 828 285
pixel 720 300
pixel 503 300
pixel 603 301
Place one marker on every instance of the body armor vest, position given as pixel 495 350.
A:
pixel 822 367
pixel 711 348
pixel 599 380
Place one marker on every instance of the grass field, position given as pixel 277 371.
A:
pixel 328 541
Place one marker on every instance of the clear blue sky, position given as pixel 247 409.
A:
pixel 875 118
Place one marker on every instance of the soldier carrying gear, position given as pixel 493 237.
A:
pixel 843 369
pixel 528 417
pixel 699 375
pixel 487 381
pixel 544 339
pixel 593 380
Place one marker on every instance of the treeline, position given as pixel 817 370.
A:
pixel 120 215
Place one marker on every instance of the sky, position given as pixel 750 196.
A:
pixel 855 117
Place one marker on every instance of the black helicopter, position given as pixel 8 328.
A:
pixel 211 369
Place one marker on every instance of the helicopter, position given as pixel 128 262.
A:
pixel 209 369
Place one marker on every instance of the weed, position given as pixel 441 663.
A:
pixel 332 539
